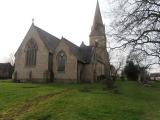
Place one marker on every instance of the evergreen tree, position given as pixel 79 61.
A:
pixel 131 70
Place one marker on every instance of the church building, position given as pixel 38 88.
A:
pixel 42 57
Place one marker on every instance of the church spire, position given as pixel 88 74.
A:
pixel 97 27
pixel 97 35
pixel 97 16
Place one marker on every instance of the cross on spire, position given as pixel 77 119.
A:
pixel 33 21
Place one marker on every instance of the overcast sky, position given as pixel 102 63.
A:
pixel 69 18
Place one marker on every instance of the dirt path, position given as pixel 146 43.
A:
pixel 21 108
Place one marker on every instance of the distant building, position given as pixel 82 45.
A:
pixel 155 76
pixel 43 57
pixel 6 70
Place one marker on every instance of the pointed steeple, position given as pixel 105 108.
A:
pixel 97 16
pixel 97 27
pixel 82 44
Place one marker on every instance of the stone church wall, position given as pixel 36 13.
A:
pixel 36 72
pixel 99 69
pixel 70 73
pixel 88 73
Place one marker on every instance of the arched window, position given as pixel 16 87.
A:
pixel 61 61
pixel 31 52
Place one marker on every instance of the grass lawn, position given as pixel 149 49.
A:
pixel 26 101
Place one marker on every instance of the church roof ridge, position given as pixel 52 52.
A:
pixel 49 40
pixel 63 38
pixel 83 54
pixel 45 31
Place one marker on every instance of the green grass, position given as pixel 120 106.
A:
pixel 26 101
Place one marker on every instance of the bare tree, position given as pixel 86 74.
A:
pixel 118 67
pixel 109 81
pixel 137 27
pixel 113 66
pixel 117 60
pixel 11 59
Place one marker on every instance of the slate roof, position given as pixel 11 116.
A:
pixel 86 52
pixel 83 54
pixel 49 40
pixel 5 66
